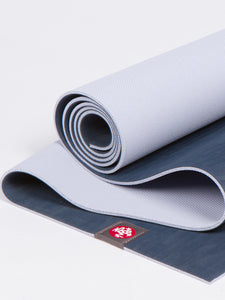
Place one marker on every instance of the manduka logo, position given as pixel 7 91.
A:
pixel 122 232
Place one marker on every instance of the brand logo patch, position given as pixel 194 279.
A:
pixel 120 233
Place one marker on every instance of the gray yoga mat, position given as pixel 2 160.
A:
pixel 140 161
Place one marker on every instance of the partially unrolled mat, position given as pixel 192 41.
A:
pixel 140 161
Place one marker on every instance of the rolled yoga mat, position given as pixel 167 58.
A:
pixel 141 160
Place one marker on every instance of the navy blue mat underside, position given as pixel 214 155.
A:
pixel 199 253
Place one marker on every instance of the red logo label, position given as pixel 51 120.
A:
pixel 122 232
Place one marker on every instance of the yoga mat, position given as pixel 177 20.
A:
pixel 140 160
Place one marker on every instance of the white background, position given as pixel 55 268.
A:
pixel 49 47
